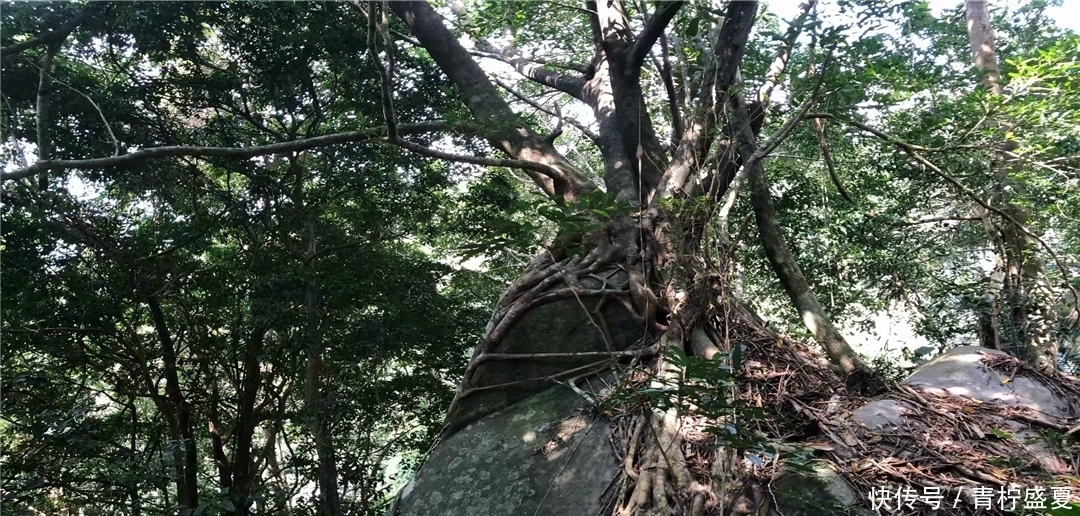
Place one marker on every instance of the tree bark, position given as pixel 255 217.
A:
pixel 981 37
pixel 316 407
pixel 186 459
pixel 44 103
pixel 243 467
pixel 133 487
pixel 1032 311
pixel 504 131
pixel 779 255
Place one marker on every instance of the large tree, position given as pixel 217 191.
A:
pixel 264 172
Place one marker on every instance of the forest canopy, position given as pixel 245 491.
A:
pixel 248 248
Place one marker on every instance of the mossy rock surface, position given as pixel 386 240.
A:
pixel 543 457
pixel 815 490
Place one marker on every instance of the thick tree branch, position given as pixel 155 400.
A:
pixel 755 159
pixel 51 37
pixel 674 104
pixel 633 155
pixel 528 67
pixel 644 42
pixel 243 466
pixel 777 68
pixel 539 107
pixel 981 37
pixel 779 255
pixel 779 64
pixel 547 184
pixel 376 29
pixel 530 166
pixel 719 78
pixel 531 70
pixel 490 110
pixel 44 103
pixel 594 25
pixel 620 176
pixel 499 54
pixel 101 114
pixel 189 497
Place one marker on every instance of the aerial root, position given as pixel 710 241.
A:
pixel 553 281
pixel 662 485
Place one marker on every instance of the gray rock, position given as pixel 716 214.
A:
pixel 566 326
pixel 540 457
pixel 881 414
pixel 960 372
pixel 816 490
pixel 543 457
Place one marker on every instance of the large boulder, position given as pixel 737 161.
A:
pixel 545 456
pixel 551 455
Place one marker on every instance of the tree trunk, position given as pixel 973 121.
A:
pixel 316 402
pixel 133 486
pixel 185 456
pixel 1032 312
pixel 243 466
pixel 779 256
pixel 630 291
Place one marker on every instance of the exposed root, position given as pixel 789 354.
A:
pixel 617 266
pixel 672 465
pixel 661 482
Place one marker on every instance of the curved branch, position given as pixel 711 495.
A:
pixel 644 42
pixel 50 37
pixel 488 107
pixel 101 114
pixel 229 152
pixel 779 255
pixel 539 107
pixel 826 154
pixel 776 69
pixel 535 59
pixel 548 172
pixel 759 154
pixel 770 145
pixel 531 70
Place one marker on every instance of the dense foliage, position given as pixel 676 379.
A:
pixel 222 329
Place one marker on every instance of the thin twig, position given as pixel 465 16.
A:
pixel 945 218
pixel 115 140
pixel 913 151
pixel 826 154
